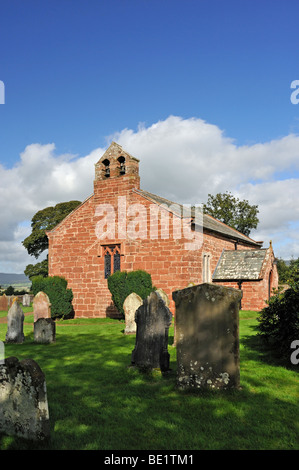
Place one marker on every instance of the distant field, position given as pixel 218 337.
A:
pixel 17 286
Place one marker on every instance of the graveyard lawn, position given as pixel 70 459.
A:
pixel 97 401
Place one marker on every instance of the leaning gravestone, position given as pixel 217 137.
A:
pixel 41 306
pixel 153 320
pixel 15 321
pixel 131 304
pixel 44 330
pixel 207 329
pixel 23 396
pixel 3 302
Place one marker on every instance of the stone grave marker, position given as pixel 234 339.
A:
pixel 153 319
pixel 3 302
pixel 131 304
pixel 164 296
pixel 207 330
pixel 15 321
pixel 44 331
pixel 23 396
pixel 26 300
pixel 41 306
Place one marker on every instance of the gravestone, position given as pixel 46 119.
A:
pixel 164 296
pixel 131 304
pixel 41 306
pixel 44 330
pixel 207 335
pixel 23 396
pixel 26 300
pixel 11 299
pixel 153 319
pixel 15 321
pixel 3 302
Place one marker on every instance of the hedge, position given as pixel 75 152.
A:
pixel 60 296
pixel 123 283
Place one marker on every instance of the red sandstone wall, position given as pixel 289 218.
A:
pixel 76 252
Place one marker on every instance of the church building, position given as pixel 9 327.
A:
pixel 122 227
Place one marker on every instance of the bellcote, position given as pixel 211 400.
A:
pixel 116 163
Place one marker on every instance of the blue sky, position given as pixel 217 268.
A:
pixel 78 72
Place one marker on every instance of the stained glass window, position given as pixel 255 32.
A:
pixel 107 265
pixel 116 262
pixel 111 259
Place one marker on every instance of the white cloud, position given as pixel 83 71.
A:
pixel 181 159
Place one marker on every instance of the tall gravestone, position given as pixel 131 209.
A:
pixel 15 321
pixel 41 306
pixel 3 302
pixel 131 304
pixel 207 335
pixel 23 396
pixel 153 319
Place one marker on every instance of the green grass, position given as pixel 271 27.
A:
pixel 97 401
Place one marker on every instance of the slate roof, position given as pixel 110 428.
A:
pixel 241 265
pixel 209 222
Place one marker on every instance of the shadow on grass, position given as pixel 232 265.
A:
pixel 97 401
pixel 259 349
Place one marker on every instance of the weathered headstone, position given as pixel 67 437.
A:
pixel 41 306
pixel 164 296
pixel 23 396
pixel 11 299
pixel 131 304
pixel 26 300
pixel 153 320
pixel 3 302
pixel 15 321
pixel 207 329
pixel 44 330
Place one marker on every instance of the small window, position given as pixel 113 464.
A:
pixel 111 259
pixel 206 274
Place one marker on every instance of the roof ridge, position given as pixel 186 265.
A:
pixel 239 235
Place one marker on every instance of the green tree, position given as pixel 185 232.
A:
pixel 236 213
pixel 37 242
pixel 283 271
pixel 38 269
pixel 10 290
pixel 293 279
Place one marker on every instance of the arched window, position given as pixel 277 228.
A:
pixel 106 164
pixel 111 259
pixel 122 166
